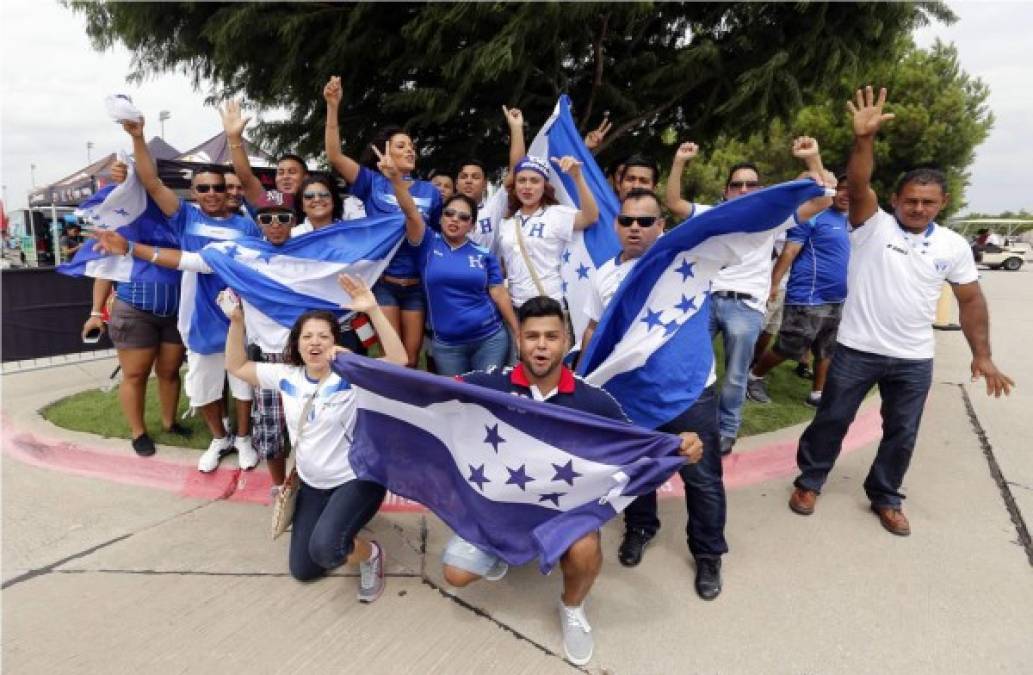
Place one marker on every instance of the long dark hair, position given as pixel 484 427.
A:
pixel 293 355
pixel 514 204
pixel 330 184
pixel 368 158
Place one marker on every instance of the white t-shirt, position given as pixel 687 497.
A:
pixel 322 453
pixel 546 234
pixel 894 280
pixel 607 279
pixel 270 336
pixel 489 216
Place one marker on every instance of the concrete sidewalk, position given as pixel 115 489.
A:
pixel 108 577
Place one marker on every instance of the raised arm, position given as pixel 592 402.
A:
pixel 517 146
pixel 237 361
pixel 363 301
pixel 589 212
pixel 345 165
pixel 867 118
pixel 415 226
pixel 679 207
pixel 975 324
pixel 233 124
pixel 147 172
pixel 595 137
pixel 806 149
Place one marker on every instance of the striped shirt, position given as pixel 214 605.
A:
pixel 150 296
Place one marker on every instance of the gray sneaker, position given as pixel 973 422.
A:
pixel 578 644
pixel 497 571
pixel 756 390
pixel 371 575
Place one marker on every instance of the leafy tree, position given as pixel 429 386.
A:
pixel 443 70
pixel 941 117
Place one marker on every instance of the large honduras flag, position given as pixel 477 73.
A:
pixel 285 281
pixel 127 209
pixel 594 246
pixel 652 348
pixel 516 477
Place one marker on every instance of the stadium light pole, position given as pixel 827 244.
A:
pixel 162 116
pixel 89 147
pixel 32 172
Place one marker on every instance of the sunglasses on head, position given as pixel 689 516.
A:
pixel 643 221
pixel 270 218
pixel 740 184
pixel 204 188
pixel 316 195
pixel 453 213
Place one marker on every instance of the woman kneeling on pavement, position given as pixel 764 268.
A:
pixel 319 406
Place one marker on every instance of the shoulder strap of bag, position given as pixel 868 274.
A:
pixel 527 259
pixel 291 460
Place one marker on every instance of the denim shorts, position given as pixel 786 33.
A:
pixel 406 298
pixel 462 554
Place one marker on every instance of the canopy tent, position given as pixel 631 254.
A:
pixel 76 187
pixel 177 171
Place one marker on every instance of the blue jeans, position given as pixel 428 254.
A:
pixel 326 523
pixel 480 355
pixel 903 385
pixel 704 489
pixel 739 326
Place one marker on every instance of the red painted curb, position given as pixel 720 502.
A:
pixel 776 460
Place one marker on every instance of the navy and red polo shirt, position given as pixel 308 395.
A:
pixel 572 391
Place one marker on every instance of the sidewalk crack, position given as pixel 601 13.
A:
pixel 1003 484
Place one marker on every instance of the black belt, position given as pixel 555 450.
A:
pixel 734 295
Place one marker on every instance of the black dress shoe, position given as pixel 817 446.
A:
pixel 708 577
pixel 632 547
pixel 143 445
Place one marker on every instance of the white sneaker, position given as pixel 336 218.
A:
pixel 497 571
pixel 247 458
pixel 209 461
pixel 371 575
pixel 578 644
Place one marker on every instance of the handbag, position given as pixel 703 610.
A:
pixel 287 498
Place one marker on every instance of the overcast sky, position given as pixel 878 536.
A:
pixel 53 86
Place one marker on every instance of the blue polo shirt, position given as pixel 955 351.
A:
pixel 572 392
pixel 456 281
pixel 378 196
pixel 818 274
pixel 201 323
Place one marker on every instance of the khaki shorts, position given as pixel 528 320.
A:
pixel 132 328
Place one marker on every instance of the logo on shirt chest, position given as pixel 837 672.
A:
pixel 897 249
pixel 476 261
pixel 941 265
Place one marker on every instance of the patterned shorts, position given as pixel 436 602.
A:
pixel 810 327
pixel 268 427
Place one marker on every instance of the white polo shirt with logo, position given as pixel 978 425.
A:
pixel 893 283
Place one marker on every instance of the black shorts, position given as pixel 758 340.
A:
pixel 808 327
pixel 132 328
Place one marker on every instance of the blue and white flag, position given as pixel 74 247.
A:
pixel 127 209
pixel 285 281
pixel 652 349
pixel 592 247
pixel 516 477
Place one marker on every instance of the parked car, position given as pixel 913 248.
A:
pixel 1009 256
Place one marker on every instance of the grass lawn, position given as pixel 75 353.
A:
pixel 98 412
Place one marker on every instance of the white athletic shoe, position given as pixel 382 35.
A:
pixel 497 571
pixel 209 461
pixel 371 575
pixel 578 644
pixel 246 455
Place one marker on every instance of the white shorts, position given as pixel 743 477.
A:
pixel 205 376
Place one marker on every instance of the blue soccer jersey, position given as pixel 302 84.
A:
pixel 456 281
pixel 378 196
pixel 202 324
pixel 818 274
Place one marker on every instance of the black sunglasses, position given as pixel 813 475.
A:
pixel 643 221
pixel 740 184
pixel 316 195
pixel 281 218
pixel 204 188
pixel 453 213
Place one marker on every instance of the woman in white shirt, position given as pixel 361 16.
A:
pixel 319 407
pixel 537 229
